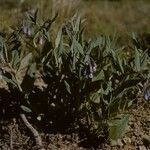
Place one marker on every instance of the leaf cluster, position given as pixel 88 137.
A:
pixel 91 80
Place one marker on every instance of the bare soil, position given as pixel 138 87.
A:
pixel 15 136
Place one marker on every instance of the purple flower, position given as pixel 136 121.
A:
pixel 147 94
pixel 89 69
pixel 28 32
pixel 83 72
pixel 25 29
pixel 94 67
pixel 40 39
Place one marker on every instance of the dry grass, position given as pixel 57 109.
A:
pixel 102 17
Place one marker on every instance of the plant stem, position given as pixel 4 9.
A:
pixel 35 133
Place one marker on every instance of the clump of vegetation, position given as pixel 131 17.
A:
pixel 88 83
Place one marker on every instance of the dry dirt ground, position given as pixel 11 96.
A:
pixel 14 135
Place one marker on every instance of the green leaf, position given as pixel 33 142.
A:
pixel 120 64
pixel 29 79
pixel 95 97
pixel 33 16
pixel 26 109
pixel 47 24
pixel 117 127
pixel 9 80
pixel 105 68
pixel 77 24
pixel 94 43
pixel 137 60
pixel 126 84
pixel 81 40
pixel 130 103
pixel 58 38
pixel 77 47
pixel 144 60
pixel 108 88
pixel 46 48
pixel 15 59
pixel 99 76
pixel 3 49
pixel 25 61
pixel 67 86
pixel 31 70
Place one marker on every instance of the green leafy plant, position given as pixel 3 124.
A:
pixel 91 83
pixel 92 79
pixel 18 63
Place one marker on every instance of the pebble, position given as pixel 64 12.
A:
pixel 142 148
pixel 119 143
pixel 126 140
pixel 146 140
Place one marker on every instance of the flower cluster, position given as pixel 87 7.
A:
pixel 26 30
pixel 31 29
pixel 89 69
pixel 29 32
pixel 40 39
pixel 146 91
pixel 147 94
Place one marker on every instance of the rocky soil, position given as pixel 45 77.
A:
pixel 15 136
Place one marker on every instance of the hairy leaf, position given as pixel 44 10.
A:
pixel 117 127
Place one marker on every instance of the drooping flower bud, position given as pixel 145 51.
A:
pixel 83 72
pixel 146 90
pixel 28 32
pixel 40 39
pixel 147 94
pixel 89 69
pixel 25 29
pixel 94 67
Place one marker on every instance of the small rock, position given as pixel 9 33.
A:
pixel 133 138
pixel 119 143
pixel 146 140
pixel 53 147
pixel 126 140
pixel 142 148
